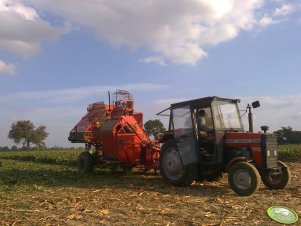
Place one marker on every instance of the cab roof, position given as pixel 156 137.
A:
pixel 200 102
pixel 205 101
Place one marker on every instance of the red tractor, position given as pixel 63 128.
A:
pixel 114 132
pixel 206 139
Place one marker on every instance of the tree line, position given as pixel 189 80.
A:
pixel 25 132
pixel 286 135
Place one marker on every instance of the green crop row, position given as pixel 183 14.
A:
pixel 286 153
pixel 289 152
pixel 59 157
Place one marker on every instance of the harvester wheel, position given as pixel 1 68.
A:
pixel 278 181
pixel 171 166
pixel 243 178
pixel 85 163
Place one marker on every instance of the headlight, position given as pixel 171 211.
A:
pixel 268 153
pixel 275 153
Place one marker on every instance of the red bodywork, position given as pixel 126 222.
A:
pixel 117 131
pixel 252 141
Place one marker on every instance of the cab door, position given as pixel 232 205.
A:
pixel 185 134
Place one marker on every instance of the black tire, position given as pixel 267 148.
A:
pixel 243 178
pixel 279 181
pixel 85 163
pixel 171 166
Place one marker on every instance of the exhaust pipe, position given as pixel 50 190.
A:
pixel 250 118
pixel 255 104
pixel 109 100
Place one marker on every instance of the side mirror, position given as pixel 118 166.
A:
pixel 256 104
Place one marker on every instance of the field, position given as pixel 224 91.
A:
pixel 43 188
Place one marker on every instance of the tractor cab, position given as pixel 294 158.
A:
pixel 201 124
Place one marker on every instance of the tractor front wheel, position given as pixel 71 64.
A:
pixel 85 163
pixel 279 180
pixel 171 166
pixel 243 178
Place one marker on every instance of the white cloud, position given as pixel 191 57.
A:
pixel 7 68
pixel 76 94
pixel 154 60
pixel 266 21
pixel 173 31
pixel 279 14
pixel 285 9
pixel 22 30
pixel 15 7
pixel 276 111
pixel 177 31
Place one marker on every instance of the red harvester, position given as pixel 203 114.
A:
pixel 116 134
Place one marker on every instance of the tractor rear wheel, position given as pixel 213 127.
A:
pixel 277 181
pixel 243 178
pixel 171 166
pixel 85 163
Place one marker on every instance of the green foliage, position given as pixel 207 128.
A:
pixel 286 135
pixel 33 169
pixel 47 168
pixel 154 128
pixel 289 153
pixel 45 156
pixel 39 136
pixel 24 131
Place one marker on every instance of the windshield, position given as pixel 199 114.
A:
pixel 182 120
pixel 226 115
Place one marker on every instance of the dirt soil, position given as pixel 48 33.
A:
pixel 137 198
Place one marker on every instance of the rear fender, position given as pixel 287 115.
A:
pixel 187 149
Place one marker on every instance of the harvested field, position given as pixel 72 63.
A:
pixel 34 192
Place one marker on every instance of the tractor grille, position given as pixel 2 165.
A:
pixel 269 148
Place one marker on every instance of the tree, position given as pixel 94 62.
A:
pixel 286 135
pixel 14 148
pixel 25 132
pixel 154 128
pixel 40 136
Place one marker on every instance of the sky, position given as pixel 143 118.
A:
pixel 56 57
